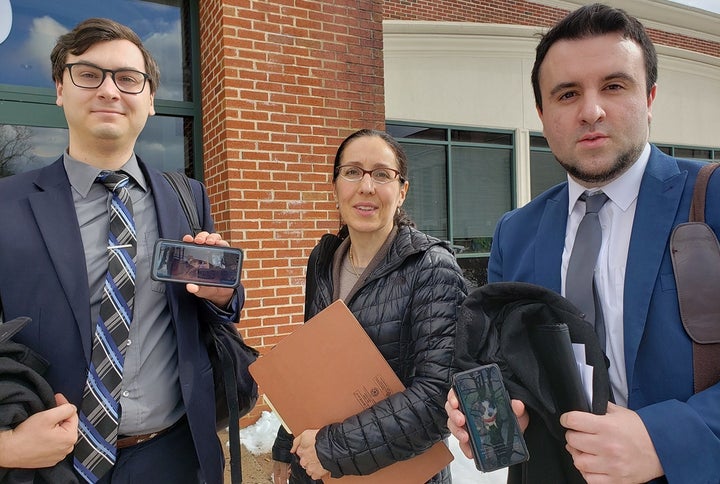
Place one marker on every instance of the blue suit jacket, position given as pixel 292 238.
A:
pixel 43 276
pixel 527 247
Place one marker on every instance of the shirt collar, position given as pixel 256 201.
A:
pixel 622 191
pixel 82 176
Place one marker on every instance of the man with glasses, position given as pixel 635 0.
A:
pixel 75 256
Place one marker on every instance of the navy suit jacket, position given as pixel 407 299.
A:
pixel 527 247
pixel 43 276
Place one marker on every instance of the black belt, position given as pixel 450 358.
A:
pixel 124 441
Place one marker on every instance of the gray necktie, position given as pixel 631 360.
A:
pixel 580 279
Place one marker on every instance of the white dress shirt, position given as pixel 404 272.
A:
pixel 616 219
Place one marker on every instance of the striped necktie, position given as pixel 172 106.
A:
pixel 95 452
pixel 580 278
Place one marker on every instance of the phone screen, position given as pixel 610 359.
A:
pixel 495 436
pixel 207 265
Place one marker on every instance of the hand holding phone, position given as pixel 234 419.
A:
pixel 495 436
pixel 205 265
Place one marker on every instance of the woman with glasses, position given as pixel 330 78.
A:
pixel 404 287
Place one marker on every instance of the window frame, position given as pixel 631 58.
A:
pixel 448 144
pixel 669 149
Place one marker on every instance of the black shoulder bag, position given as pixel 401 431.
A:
pixel 696 263
pixel 235 389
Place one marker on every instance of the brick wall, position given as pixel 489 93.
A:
pixel 517 12
pixel 486 11
pixel 283 82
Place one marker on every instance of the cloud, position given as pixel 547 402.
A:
pixel 43 34
pixel 5 19
pixel 166 47
pixel 709 5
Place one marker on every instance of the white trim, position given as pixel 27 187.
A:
pixel 497 39
pixel 659 14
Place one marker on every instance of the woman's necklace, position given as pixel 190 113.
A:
pixel 352 262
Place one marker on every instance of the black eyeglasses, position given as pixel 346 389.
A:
pixel 381 176
pixel 88 76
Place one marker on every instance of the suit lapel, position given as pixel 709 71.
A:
pixel 658 201
pixel 55 215
pixel 551 241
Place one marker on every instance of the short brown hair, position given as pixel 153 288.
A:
pixel 91 31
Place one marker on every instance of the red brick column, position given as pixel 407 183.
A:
pixel 282 84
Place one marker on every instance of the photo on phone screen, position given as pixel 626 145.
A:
pixel 186 262
pixel 495 435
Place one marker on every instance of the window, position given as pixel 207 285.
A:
pixel 545 171
pixel 33 131
pixel 461 182
pixel 704 154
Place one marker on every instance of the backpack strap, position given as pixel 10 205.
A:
pixel 695 254
pixel 181 185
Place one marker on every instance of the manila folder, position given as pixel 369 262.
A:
pixel 328 370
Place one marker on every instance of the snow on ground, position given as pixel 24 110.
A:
pixel 258 439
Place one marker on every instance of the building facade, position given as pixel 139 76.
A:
pixel 256 95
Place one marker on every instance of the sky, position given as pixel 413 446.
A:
pixel 709 5
pixel 258 439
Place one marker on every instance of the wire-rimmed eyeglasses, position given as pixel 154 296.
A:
pixel 381 176
pixel 88 76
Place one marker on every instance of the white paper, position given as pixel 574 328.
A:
pixel 585 370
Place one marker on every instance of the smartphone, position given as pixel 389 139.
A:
pixel 206 265
pixel 495 435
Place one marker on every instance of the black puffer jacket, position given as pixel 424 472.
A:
pixel 408 306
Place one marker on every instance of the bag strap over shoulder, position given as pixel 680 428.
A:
pixel 695 254
pixel 183 189
pixel 697 208
pixel 181 185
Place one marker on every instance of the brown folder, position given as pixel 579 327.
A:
pixel 329 369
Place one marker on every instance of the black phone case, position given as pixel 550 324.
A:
pixel 495 436
pixel 169 275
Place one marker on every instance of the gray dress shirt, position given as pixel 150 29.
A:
pixel 150 398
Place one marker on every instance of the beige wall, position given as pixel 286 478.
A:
pixel 460 74
pixel 687 106
pixel 478 75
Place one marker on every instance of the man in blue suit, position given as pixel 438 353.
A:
pixel 53 261
pixel 595 82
